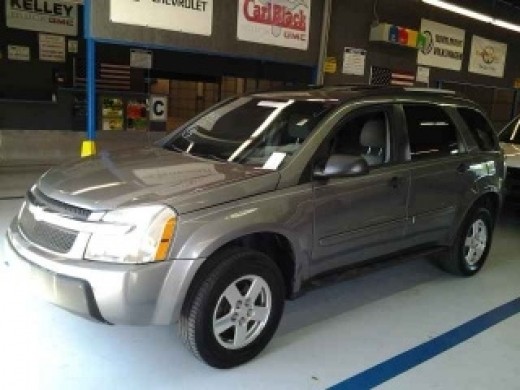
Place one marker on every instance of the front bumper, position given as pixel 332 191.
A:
pixel 144 294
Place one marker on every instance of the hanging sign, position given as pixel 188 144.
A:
pixel 58 17
pixel 443 45
pixel 283 23
pixel 487 57
pixel 194 16
pixel 52 48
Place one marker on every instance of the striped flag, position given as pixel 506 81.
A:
pixel 114 77
pixel 385 76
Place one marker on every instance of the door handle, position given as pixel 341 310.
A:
pixel 462 168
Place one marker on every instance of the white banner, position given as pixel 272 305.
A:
pixel 52 48
pixel 487 57
pixel 51 16
pixel 444 46
pixel 275 22
pixel 188 16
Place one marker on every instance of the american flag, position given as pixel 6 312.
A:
pixel 114 77
pixel 385 76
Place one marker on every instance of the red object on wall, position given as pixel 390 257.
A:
pixel 403 36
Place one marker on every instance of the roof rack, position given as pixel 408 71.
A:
pixel 430 90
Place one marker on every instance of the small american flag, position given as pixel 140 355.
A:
pixel 385 76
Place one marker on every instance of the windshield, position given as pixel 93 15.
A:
pixel 251 130
pixel 511 133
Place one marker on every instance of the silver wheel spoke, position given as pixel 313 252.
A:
pixel 233 295
pixel 223 323
pixel 260 314
pixel 255 289
pixel 240 336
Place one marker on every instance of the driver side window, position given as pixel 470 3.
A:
pixel 365 135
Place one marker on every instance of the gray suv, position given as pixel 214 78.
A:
pixel 253 201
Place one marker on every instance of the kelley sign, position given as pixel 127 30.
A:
pixel 275 22
pixel 42 15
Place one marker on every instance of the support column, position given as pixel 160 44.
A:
pixel 88 147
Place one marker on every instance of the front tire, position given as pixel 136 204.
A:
pixel 234 311
pixel 469 252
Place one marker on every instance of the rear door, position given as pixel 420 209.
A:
pixel 440 175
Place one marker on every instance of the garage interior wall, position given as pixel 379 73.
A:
pixel 350 27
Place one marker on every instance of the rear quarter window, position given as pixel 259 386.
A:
pixel 480 129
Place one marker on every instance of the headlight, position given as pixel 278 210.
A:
pixel 144 235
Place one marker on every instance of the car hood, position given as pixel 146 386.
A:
pixel 153 175
pixel 512 154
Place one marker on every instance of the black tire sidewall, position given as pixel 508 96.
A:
pixel 242 264
pixel 483 214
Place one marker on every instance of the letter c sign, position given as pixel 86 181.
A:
pixel 158 108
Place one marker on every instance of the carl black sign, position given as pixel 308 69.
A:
pixel 42 15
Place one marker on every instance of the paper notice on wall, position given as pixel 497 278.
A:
pixel 141 59
pixel 72 46
pixel 18 53
pixel 354 61
pixel 52 48
pixel 423 75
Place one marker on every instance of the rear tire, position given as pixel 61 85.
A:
pixel 234 311
pixel 471 247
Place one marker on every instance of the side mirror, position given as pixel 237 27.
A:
pixel 339 165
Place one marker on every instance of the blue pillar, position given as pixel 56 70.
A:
pixel 88 147
pixel 91 89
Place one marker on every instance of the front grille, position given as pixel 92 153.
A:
pixel 51 237
pixel 38 198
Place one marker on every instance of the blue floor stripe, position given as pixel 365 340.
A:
pixel 398 364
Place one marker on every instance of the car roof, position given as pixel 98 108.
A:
pixel 351 93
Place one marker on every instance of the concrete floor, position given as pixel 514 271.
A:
pixel 327 336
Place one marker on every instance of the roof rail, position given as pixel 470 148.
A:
pixel 430 90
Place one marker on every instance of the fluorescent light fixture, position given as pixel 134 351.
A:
pixel 473 14
pixel 460 10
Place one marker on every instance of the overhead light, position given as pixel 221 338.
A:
pixel 473 14
pixel 460 10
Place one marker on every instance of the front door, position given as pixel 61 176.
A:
pixel 357 218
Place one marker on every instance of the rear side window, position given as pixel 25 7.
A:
pixel 431 132
pixel 479 128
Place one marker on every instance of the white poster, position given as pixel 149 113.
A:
pixel 52 48
pixel 487 57
pixel 443 46
pixel 354 61
pixel 18 53
pixel 275 22
pixel 194 17
pixel 141 59
pixel 58 17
